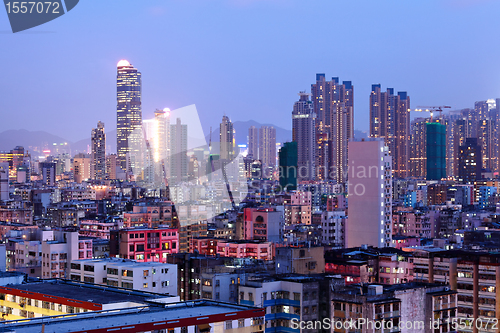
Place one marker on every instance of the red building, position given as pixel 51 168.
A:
pixel 144 244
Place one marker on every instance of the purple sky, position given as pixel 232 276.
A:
pixel 245 58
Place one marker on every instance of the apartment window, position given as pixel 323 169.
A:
pixel 112 271
pixel 242 296
pixel 296 297
pixel 131 248
pixel 145 285
pixel 264 296
pixel 127 285
pixel 241 323
pixel 217 283
pixel 127 272
pixel 88 268
pixel 229 324
pixel 250 297
pixel 145 272
pixel 154 284
pixel 140 248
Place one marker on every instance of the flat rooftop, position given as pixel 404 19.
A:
pixel 169 315
pixel 85 292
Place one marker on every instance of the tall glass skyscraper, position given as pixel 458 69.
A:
pixel 128 115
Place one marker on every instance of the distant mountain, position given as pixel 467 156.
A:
pixel 39 139
pixel 241 129
pixel 43 140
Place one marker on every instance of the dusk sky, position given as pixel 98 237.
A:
pixel 245 58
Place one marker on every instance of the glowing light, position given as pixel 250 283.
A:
pixel 167 111
pixel 123 63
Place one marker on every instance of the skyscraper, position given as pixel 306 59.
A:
pixel 370 194
pixel 304 133
pixel 288 166
pixel 226 139
pixel 436 151
pixel 157 135
pixel 253 142
pixel 333 104
pixel 469 161
pixel 267 149
pixel 98 154
pixel 4 181
pixel 178 151
pixel 418 148
pixel 128 115
pixel 390 119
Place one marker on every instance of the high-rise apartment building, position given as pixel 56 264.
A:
pixel 390 119
pixel 81 167
pixel 98 154
pixel 227 142
pixel 333 104
pixel 267 149
pixel 128 115
pixel 288 166
pixel 304 133
pixel 156 132
pixel 178 152
pixel 253 142
pixel 4 181
pixel 436 151
pixel 370 194
pixel 469 161
pixel 48 171
pixel 111 165
pixel 418 148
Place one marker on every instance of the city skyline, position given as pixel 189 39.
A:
pixel 430 51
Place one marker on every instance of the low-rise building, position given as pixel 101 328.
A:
pixel 144 244
pixel 145 276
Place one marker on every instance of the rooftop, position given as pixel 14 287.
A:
pixel 169 316
pixel 85 292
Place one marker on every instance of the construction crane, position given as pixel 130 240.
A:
pixel 431 109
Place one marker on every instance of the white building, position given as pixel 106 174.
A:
pixel 370 194
pixel 145 276
pixel 58 253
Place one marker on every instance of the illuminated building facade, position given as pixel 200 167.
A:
pixel 98 155
pixel 304 133
pixel 129 113
pixel 333 104
pixel 370 194
pixel 390 119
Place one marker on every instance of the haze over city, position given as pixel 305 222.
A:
pixel 247 59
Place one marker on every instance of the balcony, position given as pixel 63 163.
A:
pixel 245 302
pixel 279 329
pixel 281 315
pixel 281 301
